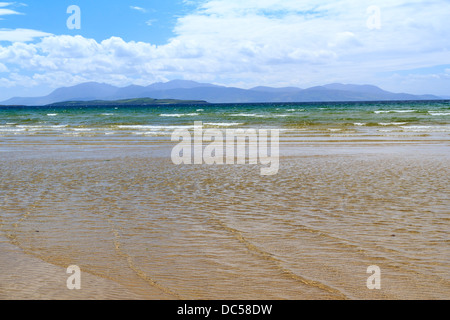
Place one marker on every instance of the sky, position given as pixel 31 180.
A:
pixel 398 45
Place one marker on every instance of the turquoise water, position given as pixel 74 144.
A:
pixel 373 118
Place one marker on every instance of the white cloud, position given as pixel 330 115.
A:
pixel 3 68
pixel 4 12
pixel 17 35
pixel 21 35
pixel 7 11
pixel 138 9
pixel 345 40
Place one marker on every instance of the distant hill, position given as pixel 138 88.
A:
pixel 127 102
pixel 191 90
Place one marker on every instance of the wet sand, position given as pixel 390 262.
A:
pixel 25 277
pixel 140 227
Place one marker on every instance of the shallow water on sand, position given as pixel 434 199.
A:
pixel 125 213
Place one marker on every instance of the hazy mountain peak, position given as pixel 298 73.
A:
pixel 191 90
pixel 270 89
pixel 354 87
pixel 178 84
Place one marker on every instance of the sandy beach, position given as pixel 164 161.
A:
pixel 140 227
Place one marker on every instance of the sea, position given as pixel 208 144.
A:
pixel 354 119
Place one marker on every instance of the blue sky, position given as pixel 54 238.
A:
pixel 399 45
pixel 139 20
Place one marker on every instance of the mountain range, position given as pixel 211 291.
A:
pixel 191 90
